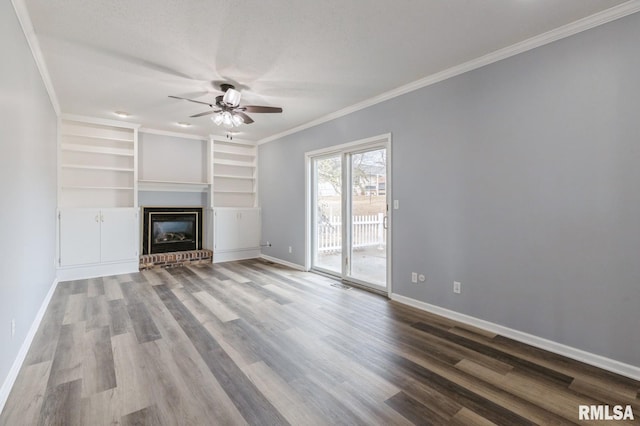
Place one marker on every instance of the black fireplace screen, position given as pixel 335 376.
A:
pixel 173 229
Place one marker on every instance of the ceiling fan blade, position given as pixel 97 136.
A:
pixel 203 113
pixel 256 108
pixel 245 117
pixel 191 100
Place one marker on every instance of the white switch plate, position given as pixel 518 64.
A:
pixel 290 250
pixel 457 287
pixel 414 277
pixel 396 204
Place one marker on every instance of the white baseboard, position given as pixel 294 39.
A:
pixel 229 256
pixel 99 270
pixel 283 262
pixel 551 346
pixel 24 349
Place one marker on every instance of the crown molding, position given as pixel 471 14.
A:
pixel 218 138
pixel 559 33
pixel 27 28
pixel 101 121
pixel 172 134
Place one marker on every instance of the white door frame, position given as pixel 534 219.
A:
pixel 358 145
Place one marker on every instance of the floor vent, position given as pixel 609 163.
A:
pixel 341 286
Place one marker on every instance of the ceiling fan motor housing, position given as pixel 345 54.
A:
pixel 231 97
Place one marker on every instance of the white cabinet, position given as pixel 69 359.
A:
pixel 118 235
pixel 236 229
pixel 96 239
pixel 79 236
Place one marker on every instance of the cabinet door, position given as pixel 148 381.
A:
pixel 249 228
pixel 79 236
pixel 226 229
pixel 119 235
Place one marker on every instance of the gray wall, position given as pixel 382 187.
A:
pixel 519 179
pixel 27 186
pixel 170 158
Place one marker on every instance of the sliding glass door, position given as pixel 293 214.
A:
pixel 367 240
pixel 328 217
pixel 349 213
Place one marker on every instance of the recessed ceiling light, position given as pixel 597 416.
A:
pixel 184 124
pixel 122 114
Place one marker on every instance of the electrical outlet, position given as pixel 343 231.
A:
pixel 457 287
pixel 13 327
pixel 414 277
pixel 290 249
pixel 421 278
pixel 396 204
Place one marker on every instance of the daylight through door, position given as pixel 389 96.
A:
pixel 350 214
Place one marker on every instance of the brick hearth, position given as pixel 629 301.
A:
pixel 167 260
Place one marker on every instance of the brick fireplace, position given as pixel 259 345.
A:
pixel 172 236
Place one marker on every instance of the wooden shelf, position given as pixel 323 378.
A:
pixel 231 148
pixel 98 164
pixel 119 188
pixel 106 168
pixel 234 192
pixel 235 163
pixel 99 137
pixel 233 177
pixel 97 149
pixel 170 186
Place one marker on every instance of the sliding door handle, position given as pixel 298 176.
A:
pixel 385 222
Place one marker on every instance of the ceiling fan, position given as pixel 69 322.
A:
pixel 228 110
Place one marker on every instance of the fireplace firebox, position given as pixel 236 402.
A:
pixel 171 229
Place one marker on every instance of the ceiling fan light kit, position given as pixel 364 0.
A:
pixel 227 119
pixel 230 113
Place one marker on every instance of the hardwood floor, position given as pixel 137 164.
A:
pixel 255 343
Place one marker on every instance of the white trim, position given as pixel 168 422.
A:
pixel 283 262
pixel 229 256
pixel 27 28
pixel 172 134
pixel 98 270
pixel 5 390
pixel 360 143
pixel 539 342
pixel 218 138
pixel 556 34
pixel 101 121
pixel 309 205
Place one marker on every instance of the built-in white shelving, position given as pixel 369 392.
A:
pixel 97 197
pixel 97 163
pixel 234 174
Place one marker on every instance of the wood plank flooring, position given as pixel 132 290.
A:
pixel 254 343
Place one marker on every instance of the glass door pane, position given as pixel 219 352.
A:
pixel 368 207
pixel 327 248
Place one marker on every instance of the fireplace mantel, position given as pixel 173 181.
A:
pixel 172 186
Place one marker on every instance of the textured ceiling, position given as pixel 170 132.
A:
pixel 311 58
